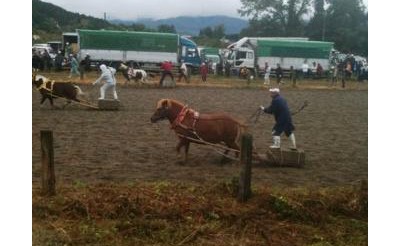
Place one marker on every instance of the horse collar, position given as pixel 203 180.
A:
pixel 178 120
pixel 181 116
pixel 44 86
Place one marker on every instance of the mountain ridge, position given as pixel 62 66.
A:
pixel 191 24
pixel 50 20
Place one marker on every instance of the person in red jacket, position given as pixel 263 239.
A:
pixel 203 72
pixel 166 67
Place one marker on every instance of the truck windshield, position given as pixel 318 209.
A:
pixel 241 55
pixel 191 52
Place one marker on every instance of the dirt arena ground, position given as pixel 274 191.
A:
pixel 124 146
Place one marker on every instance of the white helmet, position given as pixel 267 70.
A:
pixel 274 90
pixel 103 67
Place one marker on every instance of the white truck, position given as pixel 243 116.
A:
pixel 254 52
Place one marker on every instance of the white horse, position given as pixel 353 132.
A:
pixel 131 73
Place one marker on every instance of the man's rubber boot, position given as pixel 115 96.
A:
pixel 293 141
pixel 276 142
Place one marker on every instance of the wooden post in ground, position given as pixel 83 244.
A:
pixel 246 150
pixel 48 175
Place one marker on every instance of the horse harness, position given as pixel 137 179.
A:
pixel 181 116
pixel 45 87
pixel 196 115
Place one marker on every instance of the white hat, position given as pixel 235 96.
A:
pixel 274 90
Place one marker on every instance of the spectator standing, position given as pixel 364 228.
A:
pixel 314 69
pixel 304 69
pixel 87 63
pixel 348 70
pixel 203 72
pixel 267 70
pixel 320 71
pixel 47 60
pixel 342 71
pixel 279 74
pixel 358 69
pixel 36 60
pixel 58 61
pixel 67 50
pixel 166 67
pixel 83 66
pixel 183 72
pixel 334 71
pixel 293 76
pixel 74 66
pixel 227 69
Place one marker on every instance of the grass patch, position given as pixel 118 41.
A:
pixel 164 213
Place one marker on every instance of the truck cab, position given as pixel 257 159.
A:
pixel 189 53
pixel 241 57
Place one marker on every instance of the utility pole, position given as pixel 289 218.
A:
pixel 323 25
pixel 105 16
pixel 323 22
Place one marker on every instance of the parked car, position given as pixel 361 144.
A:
pixel 42 47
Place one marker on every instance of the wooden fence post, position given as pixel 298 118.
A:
pixel 246 150
pixel 48 175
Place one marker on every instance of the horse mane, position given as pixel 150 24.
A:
pixel 169 102
pixel 173 101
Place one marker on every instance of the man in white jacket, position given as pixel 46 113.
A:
pixel 267 70
pixel 108 75
pixel 183 72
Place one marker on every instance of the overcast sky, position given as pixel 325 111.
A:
pixel 156 9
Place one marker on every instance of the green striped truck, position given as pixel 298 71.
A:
pixel 253 53
pixel 143 47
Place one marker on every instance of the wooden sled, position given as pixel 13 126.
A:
pixel 108 104
pixel 284 158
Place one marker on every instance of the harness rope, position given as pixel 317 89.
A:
pixel 255 115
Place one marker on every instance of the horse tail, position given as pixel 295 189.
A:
pixel 78 89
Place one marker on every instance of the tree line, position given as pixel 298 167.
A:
pixel 344 22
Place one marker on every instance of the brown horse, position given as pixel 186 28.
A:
pixel 190 126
